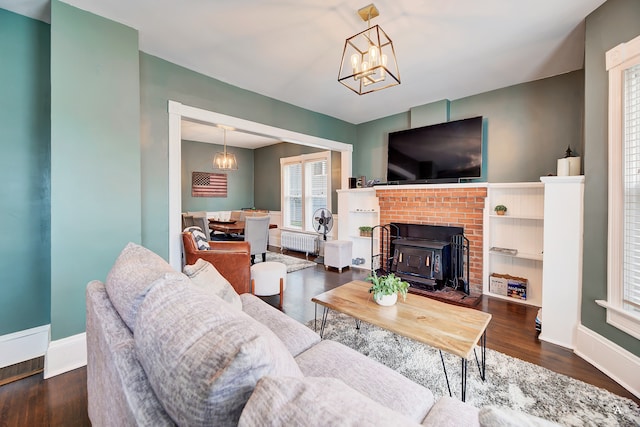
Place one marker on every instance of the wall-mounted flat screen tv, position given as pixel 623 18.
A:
pixel 446 152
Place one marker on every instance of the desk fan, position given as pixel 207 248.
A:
pixel 322 223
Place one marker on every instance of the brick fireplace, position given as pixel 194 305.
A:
pixel 456 205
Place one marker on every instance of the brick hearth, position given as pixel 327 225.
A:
pixel 450 205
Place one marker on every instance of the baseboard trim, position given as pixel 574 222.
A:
pixel 618 363
pixel 23 345
pixel 65 355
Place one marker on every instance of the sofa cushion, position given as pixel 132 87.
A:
pixel 492 416
pixel 451 412
pixel 282 401
pixel 128 281
pixel 202 243
pixel 117 386
pixel 332 359
pixel 202 357
pixel 205 276
pixel 295 336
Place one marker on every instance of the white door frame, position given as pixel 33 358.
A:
pixel 178 111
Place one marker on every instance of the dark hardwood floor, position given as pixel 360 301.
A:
pixel 62 400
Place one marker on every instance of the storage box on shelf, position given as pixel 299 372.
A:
pixel 358 207
pixel 514 241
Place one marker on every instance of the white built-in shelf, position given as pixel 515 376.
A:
pixel 522 255
pixel 531 217
pixel 521 301
pixel 521 228
pixel 360 212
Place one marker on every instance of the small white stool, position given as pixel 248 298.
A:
pixel 269 278
pixel 337 253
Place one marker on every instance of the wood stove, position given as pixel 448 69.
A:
pixel 430 256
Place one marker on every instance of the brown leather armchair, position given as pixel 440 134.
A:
pixel 231 259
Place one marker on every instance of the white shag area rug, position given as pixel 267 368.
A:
pixel 292 263
pixel 510 382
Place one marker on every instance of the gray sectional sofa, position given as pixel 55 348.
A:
pixel 162 352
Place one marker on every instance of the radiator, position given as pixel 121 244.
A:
pixel 307 243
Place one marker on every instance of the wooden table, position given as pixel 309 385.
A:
pixel 447 327
pixel 228 227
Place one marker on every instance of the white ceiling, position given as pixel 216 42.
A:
pixel 291 49
pixel 194 131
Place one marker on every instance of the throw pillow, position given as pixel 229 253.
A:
pixel 128 281
pixel 205 276
pixel 282 401
pixel 506 417
pixel 203 358
pixel 202 243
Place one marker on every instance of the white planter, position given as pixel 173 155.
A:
pixel 387 300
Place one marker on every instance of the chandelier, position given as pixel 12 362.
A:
pixel 368 59
pixel 224 160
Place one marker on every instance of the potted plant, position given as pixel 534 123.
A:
pixel 500 209
pixel 385 289
pixel 365 230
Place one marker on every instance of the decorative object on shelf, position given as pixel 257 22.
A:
pixel 365 230
pixel 385 289
pixel 353 182
pixel 500 209
pixel 569 165
pixel 504 251
pixel 224 160
pixel 369 60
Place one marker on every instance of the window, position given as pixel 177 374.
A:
pixel 623 263
pixel 306 186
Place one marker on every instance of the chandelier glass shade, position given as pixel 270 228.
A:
pixel 369 61
pixel 224 160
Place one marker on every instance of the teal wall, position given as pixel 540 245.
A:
pixel 527 128
pixel 161 81
pixel 198 157
pixel 25 101
pixel 95 155
pixel 615 22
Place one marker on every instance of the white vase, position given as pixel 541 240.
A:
pixel 387 300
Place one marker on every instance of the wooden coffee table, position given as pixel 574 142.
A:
pixel 447 327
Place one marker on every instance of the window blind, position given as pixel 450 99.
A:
pixel 631 179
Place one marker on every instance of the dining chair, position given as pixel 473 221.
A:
pixel 256 232
pixel 200 220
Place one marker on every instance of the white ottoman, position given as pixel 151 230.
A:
pixel 337 253
pixel 269 278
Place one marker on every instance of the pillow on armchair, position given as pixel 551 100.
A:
pixel 205 276
pixel 202 242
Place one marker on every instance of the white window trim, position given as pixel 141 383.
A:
pixel 618 59
pixel 304 158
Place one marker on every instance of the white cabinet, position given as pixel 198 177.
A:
pixel 513 243
pixel 358 207
pixel 562 273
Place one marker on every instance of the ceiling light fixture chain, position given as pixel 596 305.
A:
pixel 369 60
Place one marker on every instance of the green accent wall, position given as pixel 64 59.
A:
pixel 615 22
pixel 161 81
pixel 527 128
pixel 95 155
pixel 25 101
pixel 198 157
